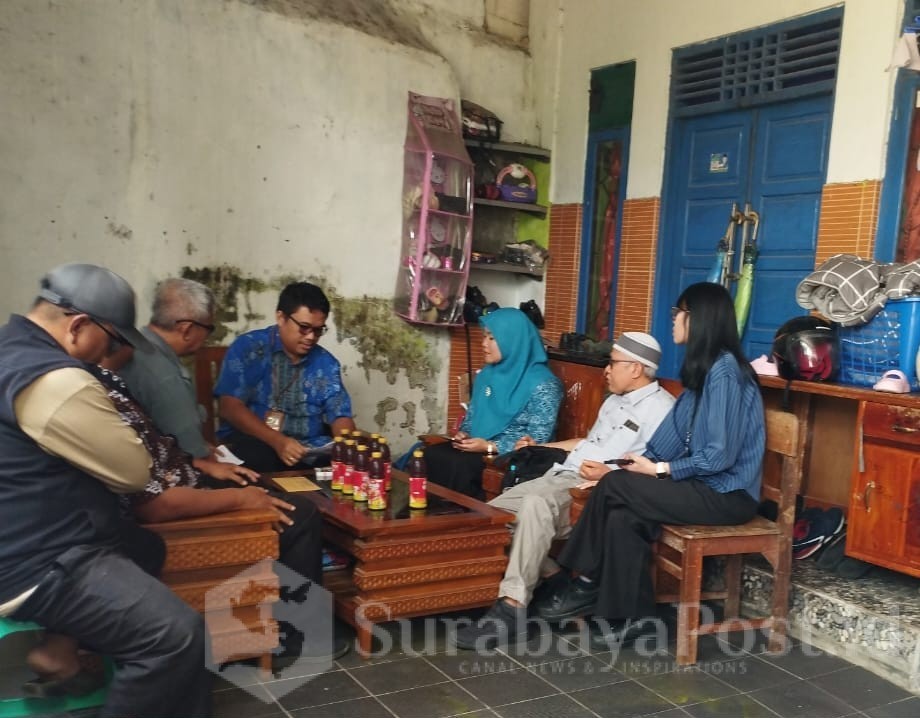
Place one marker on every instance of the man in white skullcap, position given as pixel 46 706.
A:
pixel 626 420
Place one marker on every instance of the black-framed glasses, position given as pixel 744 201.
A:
pixel 209 328
pixel 305 328
pixel 611 362
pixel 677 310
pixel 116 341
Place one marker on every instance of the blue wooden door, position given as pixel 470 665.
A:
pixel 775 159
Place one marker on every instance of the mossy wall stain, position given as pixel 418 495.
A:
pixel 384 342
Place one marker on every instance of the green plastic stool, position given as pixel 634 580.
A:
pixel 15 707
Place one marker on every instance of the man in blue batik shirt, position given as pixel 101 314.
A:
pixel 280 392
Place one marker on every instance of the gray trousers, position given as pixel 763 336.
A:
pixel 541 507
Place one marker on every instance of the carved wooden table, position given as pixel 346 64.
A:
pixel 448 557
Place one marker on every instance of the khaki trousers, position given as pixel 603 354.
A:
pixel 541 507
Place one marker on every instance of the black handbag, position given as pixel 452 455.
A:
pixel 530 462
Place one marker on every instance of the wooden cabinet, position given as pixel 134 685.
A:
pixel 884 510
pixel 862 452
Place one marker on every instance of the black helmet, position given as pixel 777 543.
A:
pixel 806 348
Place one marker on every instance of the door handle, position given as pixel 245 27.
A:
pixel 898 428
pixel 867 493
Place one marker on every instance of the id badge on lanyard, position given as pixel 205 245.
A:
pixel 274 419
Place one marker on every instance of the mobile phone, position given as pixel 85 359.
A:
pixel 620 462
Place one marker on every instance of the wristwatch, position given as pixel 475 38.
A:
pixel 490 448
pixel 661 470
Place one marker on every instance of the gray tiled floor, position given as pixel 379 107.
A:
pixel 559 678
pixel 420 676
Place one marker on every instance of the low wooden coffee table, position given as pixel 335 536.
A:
pixel 448 557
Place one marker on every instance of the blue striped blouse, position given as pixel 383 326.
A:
pixel 726 444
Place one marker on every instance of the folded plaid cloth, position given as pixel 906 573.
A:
pixel 850 290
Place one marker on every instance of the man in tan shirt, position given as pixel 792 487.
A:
pixel 64 455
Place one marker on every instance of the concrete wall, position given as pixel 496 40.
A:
pixel 596 33
pixel 250 141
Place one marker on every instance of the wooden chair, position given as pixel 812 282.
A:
pixel 208 361
pixel 680 550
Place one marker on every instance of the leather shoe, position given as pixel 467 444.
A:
pixel 621 633
pixel 577 598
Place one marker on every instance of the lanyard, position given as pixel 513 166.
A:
pixel 277 396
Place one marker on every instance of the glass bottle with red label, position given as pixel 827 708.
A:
pixel 338 463
pixel 348 486
pixel 376 493
pixel 359 476
pixel 387 464
pixel 418 481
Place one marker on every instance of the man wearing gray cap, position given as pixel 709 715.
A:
pixel 626 420
pixel 64 455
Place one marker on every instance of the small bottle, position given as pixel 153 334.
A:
pixel 338 463
pixel 359 476
pixel 376 494
pixel 385 457
pixel 418 481
pixel 348 486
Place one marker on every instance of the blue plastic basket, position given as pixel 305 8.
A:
pixel 889 341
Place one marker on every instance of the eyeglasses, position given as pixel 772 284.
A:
pixel 305 328
pixel 677 310
pixel 209 328
pixel 611 362
pixel 116 341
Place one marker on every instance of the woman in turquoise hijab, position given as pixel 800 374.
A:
pixel 514 395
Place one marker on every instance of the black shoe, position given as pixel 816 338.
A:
pixel 576 599
pixel 549 586
pixel 502 624
pixel 621 633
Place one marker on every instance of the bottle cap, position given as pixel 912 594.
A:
pixel 376 455
pixel 417 453
pixel 362 447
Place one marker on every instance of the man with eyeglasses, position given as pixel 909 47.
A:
pixel 281 394
pixel 625 421
pixel 182 319
pixel 64 455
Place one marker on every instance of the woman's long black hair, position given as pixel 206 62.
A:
pixel 713 329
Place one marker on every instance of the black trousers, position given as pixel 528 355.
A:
pixel 612 540
pixel 107 602
pixel 456 470
pixel 300 545
pixel 259 456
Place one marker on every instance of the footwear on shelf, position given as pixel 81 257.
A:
pixel 576 598
pixel 503 624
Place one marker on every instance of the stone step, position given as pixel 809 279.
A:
pixel 873 622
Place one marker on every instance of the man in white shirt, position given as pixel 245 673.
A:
pixel 626 420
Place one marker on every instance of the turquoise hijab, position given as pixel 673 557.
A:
pixel 501 390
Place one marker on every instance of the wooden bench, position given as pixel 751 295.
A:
pixel 585 389
pixel 213 564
